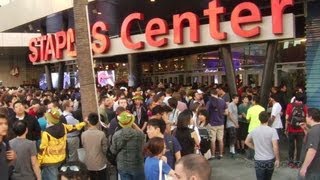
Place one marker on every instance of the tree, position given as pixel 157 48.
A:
pixel 84 58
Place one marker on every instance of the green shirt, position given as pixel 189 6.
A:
pixel 253 116
pixel 242 109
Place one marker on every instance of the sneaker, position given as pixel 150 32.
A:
pixel 220 157
pixel 212 157
pixel 232 155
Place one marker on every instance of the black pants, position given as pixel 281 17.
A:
pixel 292 137
pixel 98 175
pixel 264 169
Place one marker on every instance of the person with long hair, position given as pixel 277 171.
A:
pixel 186 136
pixel 156 167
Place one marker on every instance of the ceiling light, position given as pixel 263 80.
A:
pixel 152 0
pixel 99 13
pixel 38 30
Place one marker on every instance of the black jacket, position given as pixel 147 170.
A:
pixel 34 130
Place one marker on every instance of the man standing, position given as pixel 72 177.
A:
pixel 243 122
pixel 310 168
pixel 197 97
pixel 26 165
pixel 34 129
pixel 275 121
pixel 253 113
pixel 73 137
pixel 293 130
pixel 95 142
pixel 222 93
pixel 128 143
pixel 264 140
pixel 53 144
pixel 103 110
pixel 5 153
pixel 217 108
pixel 232 123
pixel 139 111
pixel 157 128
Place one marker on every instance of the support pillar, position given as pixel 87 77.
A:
pixel 268 73
pixel 48 76
pixel 228 64
pixel 84 58
pixel 61 75
pixel 132 70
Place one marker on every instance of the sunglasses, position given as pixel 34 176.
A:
pixel 71 168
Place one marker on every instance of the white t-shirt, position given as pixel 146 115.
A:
pixel 262 137
pixel 276 112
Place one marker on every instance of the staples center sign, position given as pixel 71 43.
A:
pixel 252 27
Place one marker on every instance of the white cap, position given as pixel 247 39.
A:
pixel 199 91
pixel 123 88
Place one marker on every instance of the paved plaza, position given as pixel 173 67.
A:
pixel 241 168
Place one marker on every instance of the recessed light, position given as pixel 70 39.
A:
pixel 152 0
pixel 38 30
pixel 99 13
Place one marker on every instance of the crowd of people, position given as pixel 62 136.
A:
pixel 153 133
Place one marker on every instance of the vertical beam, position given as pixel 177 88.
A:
pixel 228 64
pixel 268 72
pixel 132 69
pixel 84 58
pixel 48 76
pixel 61 75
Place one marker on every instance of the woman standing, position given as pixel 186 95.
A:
pixel 156 167
pixel 187 137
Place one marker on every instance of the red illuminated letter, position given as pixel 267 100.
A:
pixel 70 43
pixel 193 20
pixel 154 28
pixel 61 41
pixel 104 41
pixel 125 31
pixel 237 20
pixel 214 24
pixel 277 8
pixel 34 55
pixel 49 47
pixel 42 41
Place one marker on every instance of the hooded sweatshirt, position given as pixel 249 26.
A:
pixel 54 142
pixel 128 144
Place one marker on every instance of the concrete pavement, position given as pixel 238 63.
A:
pixel 241 168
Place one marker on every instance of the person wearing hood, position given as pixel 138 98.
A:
pixel 128 145
pixel 53 144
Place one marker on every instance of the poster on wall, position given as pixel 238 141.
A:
pixel 106 78
pixel 66 80
pixel 43 84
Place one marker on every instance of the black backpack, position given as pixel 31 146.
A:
pixel 297 115
pixel 205 143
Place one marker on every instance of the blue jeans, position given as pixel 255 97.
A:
pixel 131 175
pixel 50 172
pixel 264 169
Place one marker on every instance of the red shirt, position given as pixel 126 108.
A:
pixel 32 113
pixel 289 112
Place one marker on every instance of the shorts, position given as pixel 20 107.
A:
pixel 243 130
pixel 232 132
pixel 216 132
